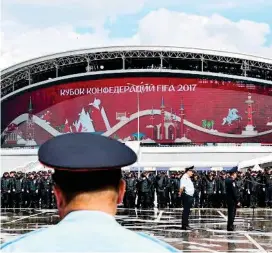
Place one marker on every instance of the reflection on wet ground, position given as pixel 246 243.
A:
pixel 253 228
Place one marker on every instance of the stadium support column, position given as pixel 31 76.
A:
pixel 29 77
pixel 124 62
pixel 245 68
pixel 88 65
pixel 182 132
pixel 162 119
pixel 202 63
pixel 57 70
pixel 161 65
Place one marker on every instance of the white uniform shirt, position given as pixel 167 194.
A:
pixel 86 231
pixel 187 183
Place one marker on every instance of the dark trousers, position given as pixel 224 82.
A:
pixel 187 204
pixel 4 200
pixel 130 199
pixel 18 200
pixel 210 198
pixel 268 196
pixel 174 197
pixel 253 200
pixel 231 214
pixel 45 199
pixel 196 199
pixel 11 200
pixel 34 199
pixel 222 200
pixel 162 200
pixel 145 199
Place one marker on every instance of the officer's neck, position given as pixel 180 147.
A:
pixel 106 203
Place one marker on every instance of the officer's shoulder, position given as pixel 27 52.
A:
pixel 20 239
pixel 160 243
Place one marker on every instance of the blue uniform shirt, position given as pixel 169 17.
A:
pixel 86 231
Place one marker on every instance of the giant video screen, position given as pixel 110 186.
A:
pixel 150 109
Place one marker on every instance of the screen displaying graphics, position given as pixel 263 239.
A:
pixel 154 109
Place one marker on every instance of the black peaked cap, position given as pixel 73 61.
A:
pixel 85 151
pixel 189 168
pixel 233 170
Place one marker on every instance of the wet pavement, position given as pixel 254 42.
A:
pixel 253 231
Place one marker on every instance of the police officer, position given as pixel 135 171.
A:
pixel 46 189
pixel 33 188
pixel 162 183
pixel 210 189
pixel 11 191
pixel 5 190
pixel 232 198
pixel 187 191
pixel 240 187
pixel 130 191
pixel 197 186
pixel 268 187
pixel 174 190
pixel 222 190
pixel 144 188
pixel 19 190
pixel 254 189
pixel 88 205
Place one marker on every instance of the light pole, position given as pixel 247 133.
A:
pixel 138 110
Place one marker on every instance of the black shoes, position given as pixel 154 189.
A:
pixel 186 228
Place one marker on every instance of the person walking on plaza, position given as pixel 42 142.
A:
pixel 232 197
pixel 88 186
pixel 187 192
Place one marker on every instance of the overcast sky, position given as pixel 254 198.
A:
pixel 32 28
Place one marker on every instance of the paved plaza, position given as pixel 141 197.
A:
pixel 253 231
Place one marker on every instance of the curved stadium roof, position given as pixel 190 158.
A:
pixel 135 59
pixel 87 51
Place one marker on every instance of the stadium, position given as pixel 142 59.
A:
pixel 175 107
pixel 182 100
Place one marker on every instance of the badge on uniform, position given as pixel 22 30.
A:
pixel 233 184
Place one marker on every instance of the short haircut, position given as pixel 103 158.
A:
pixel 74 183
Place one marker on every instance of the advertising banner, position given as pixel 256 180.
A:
pixel 187 110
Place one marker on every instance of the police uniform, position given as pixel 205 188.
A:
pixel 187 197
pixel 232 199
pixel 76 155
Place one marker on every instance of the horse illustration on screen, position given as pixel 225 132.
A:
pixel 232 116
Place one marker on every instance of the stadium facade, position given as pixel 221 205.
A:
pixel 153 95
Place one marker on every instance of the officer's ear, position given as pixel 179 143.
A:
pixel 60 199
pixel 121 192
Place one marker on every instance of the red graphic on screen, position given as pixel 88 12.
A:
pixel 170 110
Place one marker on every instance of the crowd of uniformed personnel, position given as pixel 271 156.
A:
pixel 255 189
pixel 35 189
pixel 27 190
